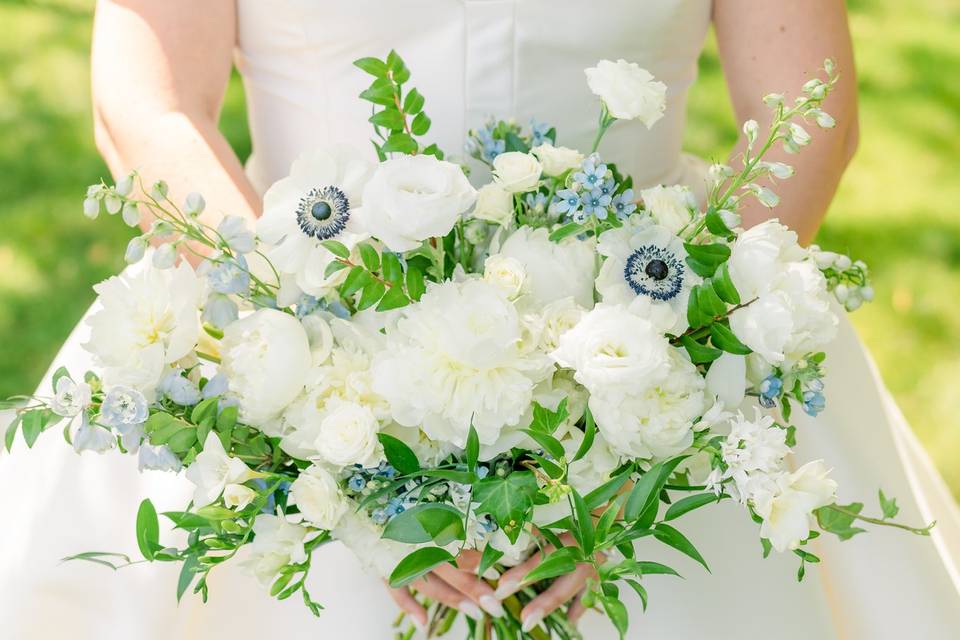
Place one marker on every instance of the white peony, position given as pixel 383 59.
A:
pixel 506 273
pixel 378 556
pixel 645 261
pixel 148 317
pixel 316 202
pixel 213 471
pixel 759 255
pixel 348 436
pixel 517 172
pixel 276 543
pixel 554 270
pixel 628 91
pixel 787 506
pixel 671 207
pixel 614 351
pixel 494 204
pixel 266 357
pixel 412 198
pixel 316 494
pixel 557 160
pixel 455 359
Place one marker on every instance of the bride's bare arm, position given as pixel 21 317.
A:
pixel 773 47
pixel 160 70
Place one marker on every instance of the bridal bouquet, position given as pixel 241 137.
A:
pixel 558 365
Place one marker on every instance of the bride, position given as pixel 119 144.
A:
pixel 159 72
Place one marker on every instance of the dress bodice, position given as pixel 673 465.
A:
pixel 471 59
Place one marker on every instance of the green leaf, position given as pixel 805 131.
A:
pixel 646 493
pixel 187 574
pixel 59 373
pixel 373 66
pixel 428 522
pixel 717 226
pixel 399 455
pixel 617 612
pixel 433 150
pixel 723 284
pixel 337 248
pixel 723 337
pixel 372 293
pixel 888 506
pixel 31 425
pixel 670 536
pixel 550 444
pixel 400 143
pixel 638 588
pixel 416 286
pixel 11 433
pixel 392 269
pixel 148 529
pixel 705 258
pixel 472 449
pixel 699 353
pixel 397 67
pixel 565 231
pixel 688 504
pixel 213 512
pixel 204 410
pixel 418 563
pixel 334 266
pixel 552 469
pixel 585 531
pixel 356 280
pixel 370 257
pixel 185 520
pixel 389 118
pixel 394 298
pixel 182 440
pixel 420 124
pixel 548 421
pixel 589 434
pixel 695 316
pixel 413 103
pixel 558 563
pixel 710 302
pixel 382 95
pixel 838 523
pixel 605 492
pixel 489 558
pixel 98 557
pixel 509 500
pixel 516 143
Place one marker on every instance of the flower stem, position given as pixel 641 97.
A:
pixel 920 531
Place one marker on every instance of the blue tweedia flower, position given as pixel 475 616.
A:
pixel 538 132
pixel 591 175
pixel 770 390
pixel 567 202
pixel 394 507
pixel 323 212
pixel 536 201
pixel 607 187
pixel 379 516
pixel 483 144
pixel 123 408
pixel 385 470
pixel 356 483
pixel 595 203
pixel 813 403
pixel 655 272
pixel 229 275
pixel 623 204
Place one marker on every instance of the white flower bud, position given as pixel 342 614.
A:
pixel 730 218
pixel 165 256
pixel 91 208
pixel 194 204
pixel 867 293
pixel 853 302
pixel 159 190
pixel 824 119
pixel 799 135
pixel 136 248
pixel 779 169
pixel 113 204
pixel 829 66
pixel 161 229
pixel 843 262
pixel 773 99
pixel 131 214
pixel 124 186
pixel 750 130
pixel 841 292
pixel 765 196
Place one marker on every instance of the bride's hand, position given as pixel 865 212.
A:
pixel 456 587
pixel 563 590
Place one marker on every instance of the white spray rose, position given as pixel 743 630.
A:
pixel 316 494
pixel 266 357
pixel 787 506
pixel 517 172
pixel 554 270
pixel 276 544
pixel 671 207
pixel 629 91
pixel 506 273
pixel 412 198
pixel 557 160
pixel 348 435
pixel 494 204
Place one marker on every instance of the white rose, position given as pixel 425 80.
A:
pixel 517 172
pixel 555 270
pixel 266 357
pixel 557 160
pixel 628 91
pixel 759 255
pixel 506 273
pixel 276 544
pixel 559 317
pixel 670 206
pixel 316 494
pixel 494 204
pixel 348 435
pixel 412 198
pixel 787 506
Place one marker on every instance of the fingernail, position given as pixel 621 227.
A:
pixel 491 574
pixel 532 620
pixel 471 610
pixel 492 606
pixel 505 589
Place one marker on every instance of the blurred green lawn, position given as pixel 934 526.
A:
pixel 897 207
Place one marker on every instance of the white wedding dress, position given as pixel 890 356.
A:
pixel 473 58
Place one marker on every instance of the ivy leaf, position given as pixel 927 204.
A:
pixel 399 455
pixel 670 536
pixel 508 500
pixel 548 421
pixel 723 337
pixel 373 66
pixel 428 522
pixel 418 563
pixel 489 558
pixel 148 529
pixel 888 506
pixel 838 523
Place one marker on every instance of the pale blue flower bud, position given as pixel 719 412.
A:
pixel 131 214
pixel 229 275
pixel 235 232
pixel 194 204
pixel 216 386
pixel 91 208
pixel 165 256
pixel 90 437
pixel 179 389
pixel 136 249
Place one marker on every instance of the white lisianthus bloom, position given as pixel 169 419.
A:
pixel 557 160
pixel 70 398
pixel 316 202
pixel 506 273
pixel 646 261
pixel 412 198
pixel 629 91
pixel 276 543
pixel 671 207
pixel 237 496
pixel 555 270
pixel 213 470
pixel 455 359
pixel 348 435
pixel 266 357
pixel 378 556
pixel 787 506
pixel 654 420
pixel 148 317
pixel 613 351
pixel 759 255
pixel 316 494
pixel 494 204
pixel 517 172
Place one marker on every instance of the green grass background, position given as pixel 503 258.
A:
pixel 897 207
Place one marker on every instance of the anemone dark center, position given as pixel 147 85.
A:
pixel 321 210
pixel 657 269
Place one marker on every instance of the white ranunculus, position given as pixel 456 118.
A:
pixel 70 398
pixel 759 255
pixel 629 91
pixel 517 172
pixel 348 435
pixel 266 357
pixel 494 204
pixel 555 270
pixel 456 359
pixel 613 351
pixel 787 506
pixel 557 160
pixel 412 198
pixel 277 543
pixel 316 494
pixel 213 470
pixel 147 316
pixel 506 273
pixel 671 207
pixel 318 201
pixel 377 555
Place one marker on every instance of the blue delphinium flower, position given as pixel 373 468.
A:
pixel 379 516
pixel 123 408
pixel 770 390
pixel 179 389
pixel 538 132
pixel 229 275
pixel 306 305
pixel 220 310
pixel 592 173
pixel 595 203
pixel 623 204
pixel 567 202
pixel 813 403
